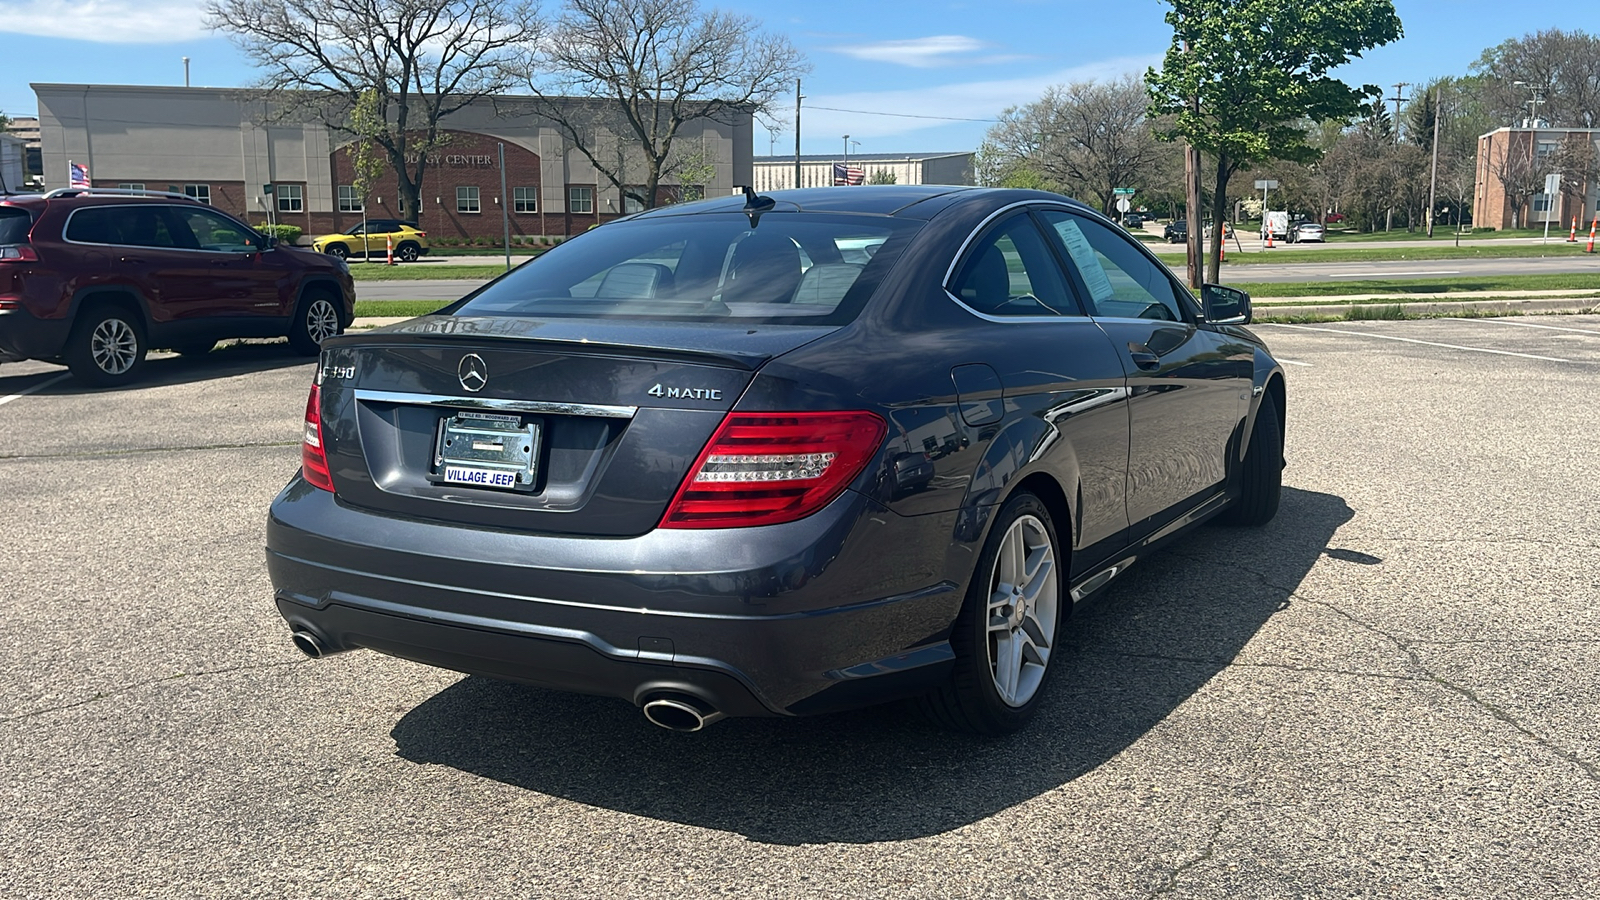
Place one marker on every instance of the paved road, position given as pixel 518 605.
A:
pixel 1391 691
pixel 1352 271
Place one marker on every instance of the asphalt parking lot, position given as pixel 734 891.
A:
pixel 1391 691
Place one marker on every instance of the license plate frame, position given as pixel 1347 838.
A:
pixel 488 451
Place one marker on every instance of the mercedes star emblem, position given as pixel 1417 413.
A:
pixel 473 371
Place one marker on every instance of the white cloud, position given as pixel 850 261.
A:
pixel 106 21
pixel 967 100
pixel 920 53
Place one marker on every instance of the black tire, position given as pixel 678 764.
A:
pixel 971 701
pixel 408 252
pixel 194 348
pixel 315 320
pixel 106 347
pixel 1261 473
pixel 339 250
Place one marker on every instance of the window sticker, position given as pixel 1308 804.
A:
pixel 1087 260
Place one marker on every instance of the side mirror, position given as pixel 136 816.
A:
pixel 1225 305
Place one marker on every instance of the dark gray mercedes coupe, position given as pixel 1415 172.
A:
pixel 777 455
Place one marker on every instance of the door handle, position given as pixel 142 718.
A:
pixel 133 259
pixel 1143 356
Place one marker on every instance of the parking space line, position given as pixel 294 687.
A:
pixel 1526 325
pixel 1291 362
pixel 1390 337
pixel 38 387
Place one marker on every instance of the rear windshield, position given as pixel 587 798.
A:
pixel 788 268
pixel 14 225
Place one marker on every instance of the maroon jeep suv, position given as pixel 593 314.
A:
pixel 94 278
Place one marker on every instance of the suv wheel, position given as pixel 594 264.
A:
pixel 408 252
pixel 316 320
pixel 339 250
pixel 106 347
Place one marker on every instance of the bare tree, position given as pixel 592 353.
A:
pixel 421 60
pixel 1561 67
pixel 648 68
pixel 1086 138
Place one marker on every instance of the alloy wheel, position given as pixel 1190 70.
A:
pixel 1023 611
pixel 322 321
pixel 114 346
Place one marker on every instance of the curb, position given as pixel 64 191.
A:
pixel 1510 306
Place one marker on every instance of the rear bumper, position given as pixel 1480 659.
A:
pixel 25 336
pixel 843 609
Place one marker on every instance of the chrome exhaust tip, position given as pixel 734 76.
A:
pixel 680 712
pixel 309 644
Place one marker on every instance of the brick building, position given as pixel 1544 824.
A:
pixel 217 144
pixel 1508 157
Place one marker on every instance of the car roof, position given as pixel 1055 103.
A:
pixel 883 200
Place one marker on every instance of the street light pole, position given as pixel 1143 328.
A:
pixel 1433 178
pixel 186 71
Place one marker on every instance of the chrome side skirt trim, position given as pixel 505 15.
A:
pixel 526 406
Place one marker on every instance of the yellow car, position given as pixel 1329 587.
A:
pixel 409 241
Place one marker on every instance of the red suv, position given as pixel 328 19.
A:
pixel 94 278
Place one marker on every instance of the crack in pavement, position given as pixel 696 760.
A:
pixel 129 688
pixel 136 451
pixel 1232 664
pixel 1408 647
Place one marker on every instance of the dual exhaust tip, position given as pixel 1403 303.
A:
pixel 672 710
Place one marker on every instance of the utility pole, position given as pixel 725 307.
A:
pixel 186 71
pixel 1433 177
pixel 1191 190
pixel 797 99
pixel 1397 101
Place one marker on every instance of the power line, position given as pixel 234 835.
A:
pixel 868 112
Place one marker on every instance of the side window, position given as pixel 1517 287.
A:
pixel 213 232
pixel 133 226
pixel 1011 272
pixel 1120 281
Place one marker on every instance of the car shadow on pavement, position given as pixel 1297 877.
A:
pixel 1132 656
pixel 163 369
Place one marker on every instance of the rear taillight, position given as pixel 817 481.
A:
pixel 18 253
pixel 313 458
pixel 766 468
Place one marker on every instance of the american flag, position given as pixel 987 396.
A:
pixel 843 174
pixel 78 175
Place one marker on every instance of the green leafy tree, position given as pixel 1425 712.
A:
pixel 368 162
pixel 882 176
pixel 1244 77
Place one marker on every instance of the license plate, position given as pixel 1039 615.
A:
pixel 487 450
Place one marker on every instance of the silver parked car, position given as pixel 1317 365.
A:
pixel 1308 231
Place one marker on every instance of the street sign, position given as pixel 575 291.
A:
pixel 1123 192
pixel 1266 184
pixel 1552 184
pixel 1123 204
pixel 266 189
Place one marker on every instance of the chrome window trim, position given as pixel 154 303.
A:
pixel 527 406
pixel 961 253
pixel 67 226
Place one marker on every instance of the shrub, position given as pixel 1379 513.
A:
pixel 1479 229
pixel 286 234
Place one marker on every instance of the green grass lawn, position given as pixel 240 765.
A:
pixel 1442 232
pixel 1285 255
pixel 1425 288
pixel 365 308
pixel 425 272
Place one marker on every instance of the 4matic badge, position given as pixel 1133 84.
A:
pixel 675 393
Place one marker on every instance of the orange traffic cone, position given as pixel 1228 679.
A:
pixel 1573 237
pixel 1269 237
pixel 389 240
pixel 1591 232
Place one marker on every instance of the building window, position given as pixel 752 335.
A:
pixel 1546 148
pixel 349 200
pixel 467 200
pixel 201 192
pixel 580 200
pixel 1541 202
pixel 290 199
pixel 130 186
pixel 525 200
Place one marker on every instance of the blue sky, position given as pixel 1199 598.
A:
pixel 963 60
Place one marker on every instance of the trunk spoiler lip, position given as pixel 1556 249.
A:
pixel 416 332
